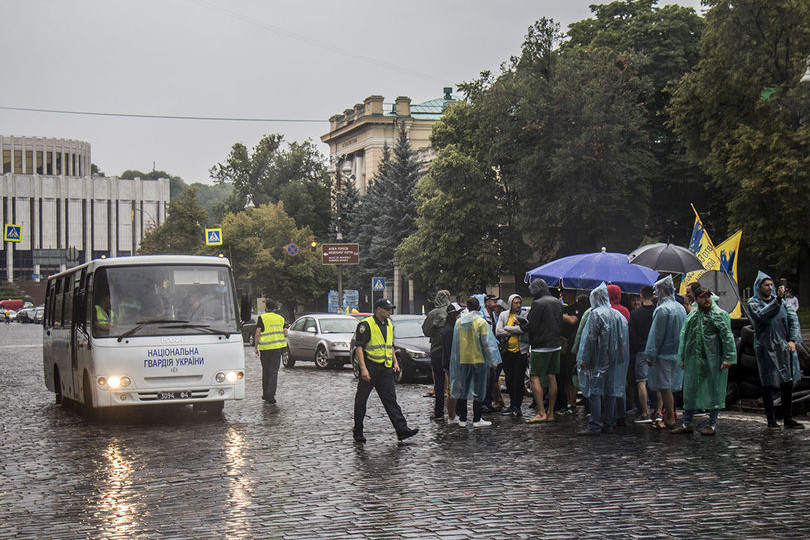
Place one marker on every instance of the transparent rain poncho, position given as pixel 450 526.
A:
pixel 474 351
pixel 603 349
pixel 706 342
pixel 775 323
pixel 664 339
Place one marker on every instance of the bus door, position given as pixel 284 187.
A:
pixel 79 342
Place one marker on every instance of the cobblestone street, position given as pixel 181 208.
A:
pixel 292 470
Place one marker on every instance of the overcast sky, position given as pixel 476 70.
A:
pixel 265 59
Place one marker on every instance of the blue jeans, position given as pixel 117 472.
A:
pixel 689 414
pixel 595 422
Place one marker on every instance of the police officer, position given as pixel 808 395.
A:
pixel 374 341
pixel 271 339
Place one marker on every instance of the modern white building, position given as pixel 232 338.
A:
pixel 66 216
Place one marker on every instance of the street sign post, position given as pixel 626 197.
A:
pixel 338 255
pixel 213 237
pixel 12 233
pixel 377 284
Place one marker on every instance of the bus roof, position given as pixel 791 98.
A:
pixel 143 260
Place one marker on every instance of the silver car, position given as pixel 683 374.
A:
pixel 322 338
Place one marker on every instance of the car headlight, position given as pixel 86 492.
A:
pixel 340 346
pixel 417 354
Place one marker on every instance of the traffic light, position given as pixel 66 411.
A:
pixel 313 245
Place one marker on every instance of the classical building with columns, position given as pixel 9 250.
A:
pixel 358 136
pixel 66 215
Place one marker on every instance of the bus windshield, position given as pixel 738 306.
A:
pixel 163 300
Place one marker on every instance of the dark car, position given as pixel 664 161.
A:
pixel 412 348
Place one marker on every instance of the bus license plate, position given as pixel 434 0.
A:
pixel 174 395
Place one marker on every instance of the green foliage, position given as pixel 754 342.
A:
pixel 211 198
pixel 385 214
pixel 455 244
pixel 176 184
pixel 756 151
pixel 255 238
pixel 295 174
pixel 182 232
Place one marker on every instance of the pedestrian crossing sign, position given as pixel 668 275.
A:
pixel 378 284
pixel 12 233
pixel 213 237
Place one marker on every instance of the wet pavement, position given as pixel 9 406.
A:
pixel 291 470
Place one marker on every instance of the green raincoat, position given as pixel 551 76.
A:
pixel 706 342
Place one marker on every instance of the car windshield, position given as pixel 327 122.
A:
pixel 409 328
pixel 163 300
pixel 338 326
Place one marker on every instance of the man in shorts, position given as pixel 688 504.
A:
pixel 544 327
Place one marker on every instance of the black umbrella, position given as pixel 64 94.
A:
pixel 666 258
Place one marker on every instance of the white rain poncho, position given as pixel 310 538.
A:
pixel 664 338
pixel 775 323
pixel 604 352
pixel 474 351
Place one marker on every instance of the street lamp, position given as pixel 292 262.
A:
pixel 342 165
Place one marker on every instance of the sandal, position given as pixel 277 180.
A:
pixel 535 420
pixel 659 424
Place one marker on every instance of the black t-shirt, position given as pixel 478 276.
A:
pixel 260 323
pixel 640 323
pixel 569 331
pixel 363 333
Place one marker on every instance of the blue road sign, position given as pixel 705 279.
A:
pixel 378 284
pixel 12 233
pixel 213 237
pixel 292 249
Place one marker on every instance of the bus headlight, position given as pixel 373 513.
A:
pixel 114 382
pixel 102 381
pixel 229 376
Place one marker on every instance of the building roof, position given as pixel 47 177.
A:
pixel 428 110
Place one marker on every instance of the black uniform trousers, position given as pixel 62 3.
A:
pixel 271 360
pixel 382 380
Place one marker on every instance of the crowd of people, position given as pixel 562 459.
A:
pixel 624 362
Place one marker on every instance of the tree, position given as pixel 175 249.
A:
pixel 455 243
pixel 744 119
pixel 255 239
pixel 182 232
pixel 386 213
pixel 176 184
pixel 295 174
pixel 211 197
pixel 668 37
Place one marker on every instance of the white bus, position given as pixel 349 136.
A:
pixel 144 330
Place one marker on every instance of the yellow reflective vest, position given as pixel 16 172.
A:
pixel 102 318
pixel 273 335
pixel 378 349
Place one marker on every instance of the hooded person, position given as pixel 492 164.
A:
pixel 665 374
pixel 453 313
pixel 706 351
pixel 602 361
pixel 474 351
pixel 432 327
pixel 515 350
pixel 615 295
pixel 776 333
pixel 544 325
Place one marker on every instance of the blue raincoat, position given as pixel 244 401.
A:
pixel 664 338
pixel 474 351
pixel 775 323
pixel 603 349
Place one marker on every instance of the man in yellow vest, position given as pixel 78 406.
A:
pixel 374 350
pixel 270 340
pixel 103 316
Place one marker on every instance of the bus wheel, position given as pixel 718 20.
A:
pixel 57 387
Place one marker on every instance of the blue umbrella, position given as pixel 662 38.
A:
pixel 588 270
